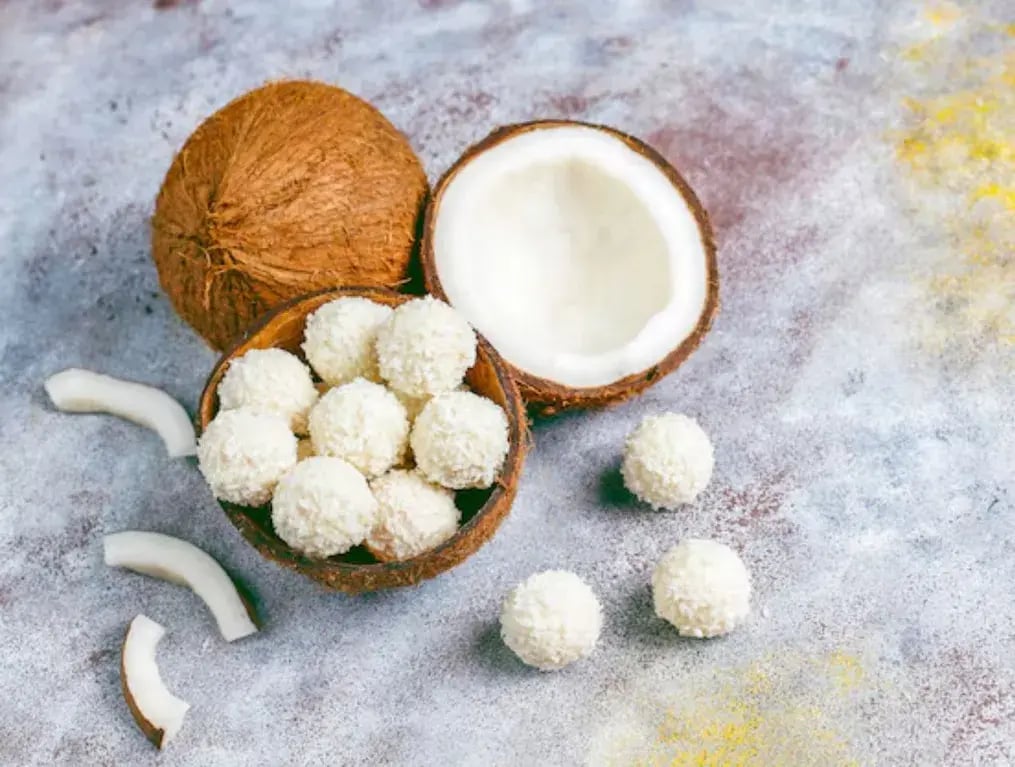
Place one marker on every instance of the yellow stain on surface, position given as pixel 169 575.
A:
pixel 942 15
pixel 783 710
pixel 957 148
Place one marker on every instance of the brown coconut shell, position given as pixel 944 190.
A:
pixel 543 395
pixel 154 733
pixel 354 572
pixel 293 187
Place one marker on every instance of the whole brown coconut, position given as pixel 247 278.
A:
pixel 293 187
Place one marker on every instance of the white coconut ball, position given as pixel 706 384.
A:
pixel 339 339
pixel 243 454
pixel 413 516
pixel 702 587
pixel 363 423
pixel 323 507
pixel 460 440
pixel 425 347
pixel 668 460
pixel 551 619
pixel 414 405
pixel 272 381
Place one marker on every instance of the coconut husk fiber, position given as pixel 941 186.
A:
pixel 293 187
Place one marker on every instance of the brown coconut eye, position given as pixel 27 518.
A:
pixel 293 187
pixel 579 253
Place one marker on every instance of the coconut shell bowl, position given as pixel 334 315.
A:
pixel 357 571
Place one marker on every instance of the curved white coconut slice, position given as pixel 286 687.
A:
pixel 578 252
pixel 178 561
pixel 157 711
pixel 83 391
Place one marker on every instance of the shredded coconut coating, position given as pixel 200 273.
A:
pixel 339 339
pixel 271 381
pixel 243 454
pixel 413 516
pixel 702 587
pixel 363 423
pixel 323 507
pixel 551 619
pixel 414 405
pixel 425 347
pixel 668 460
pixel 460 440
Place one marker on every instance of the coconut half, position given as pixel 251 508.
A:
pixel 157 711
pixel 82 391
pixel 178 561
pixel 579 253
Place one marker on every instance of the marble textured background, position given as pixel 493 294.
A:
pixel 864 471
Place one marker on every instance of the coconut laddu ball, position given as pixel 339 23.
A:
pixel 272 381
pixel 551 619
pixel 702 587
pixel 360 422
pixel 460 440
pixel 425 347
pixel 243 454
pixel 668 460
pixel 323 507
pixel 413 516
pixel 339 339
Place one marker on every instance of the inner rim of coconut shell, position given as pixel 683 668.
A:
pixel 283 328
pixel 573 252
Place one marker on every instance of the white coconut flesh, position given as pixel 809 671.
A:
pixel 158 712
pixel 83 391
pixel 178 561
pixel 575 256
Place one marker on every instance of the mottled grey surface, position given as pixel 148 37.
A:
pixel 864 473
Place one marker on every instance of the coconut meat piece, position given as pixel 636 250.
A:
pixel 179 561
pixel 83 391
pixel 157 711
pixel 577 257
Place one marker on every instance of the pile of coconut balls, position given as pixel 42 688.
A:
pixel 372 452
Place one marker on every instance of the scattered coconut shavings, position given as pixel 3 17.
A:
pixel 83 391
pixel 156 710
pixel 179 561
